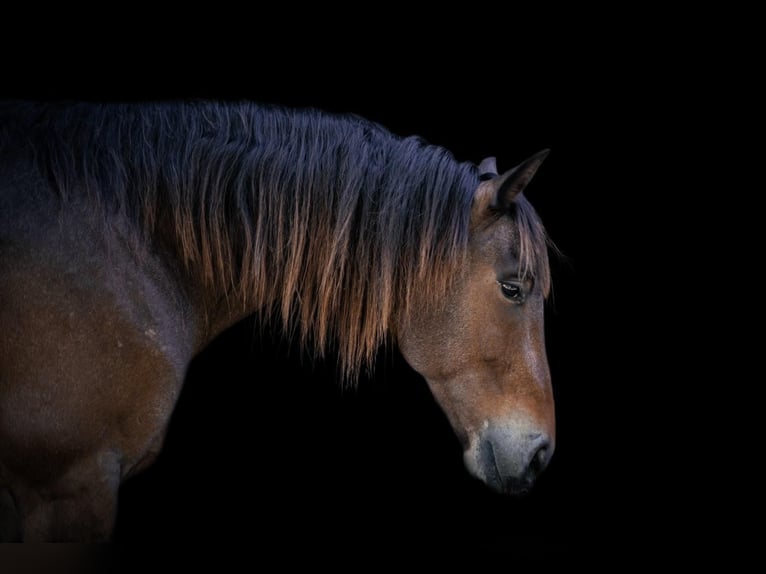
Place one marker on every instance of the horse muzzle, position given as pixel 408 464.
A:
pixel 508 458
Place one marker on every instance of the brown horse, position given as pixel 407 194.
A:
pixel 131 235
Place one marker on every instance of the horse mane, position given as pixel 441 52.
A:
pixel 330 222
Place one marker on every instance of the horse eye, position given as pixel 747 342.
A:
pixel 511 291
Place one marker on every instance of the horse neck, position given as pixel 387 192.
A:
pixel 220 313
pixel 215 308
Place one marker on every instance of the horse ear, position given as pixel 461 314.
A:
pixel 513 181
pixel 488 168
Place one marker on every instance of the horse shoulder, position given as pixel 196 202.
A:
pixel 96 338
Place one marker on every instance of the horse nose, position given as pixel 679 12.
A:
pixel 509 460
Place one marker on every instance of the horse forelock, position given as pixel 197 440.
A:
pixel 533 244
pixel 331 222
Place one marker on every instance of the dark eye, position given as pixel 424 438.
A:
pixel 512 291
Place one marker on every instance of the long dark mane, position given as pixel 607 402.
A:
pixel 330 222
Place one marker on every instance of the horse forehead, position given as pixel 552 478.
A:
pixel 499 238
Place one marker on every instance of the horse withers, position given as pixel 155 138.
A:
pixel 131 235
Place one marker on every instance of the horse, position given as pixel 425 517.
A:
pixel 134 233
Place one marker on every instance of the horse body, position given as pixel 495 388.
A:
pixel 94 351
pixel 106 298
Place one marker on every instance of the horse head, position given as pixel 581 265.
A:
pixel 482 349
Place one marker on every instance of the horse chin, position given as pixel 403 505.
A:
pixel 510 487
pixel 491 478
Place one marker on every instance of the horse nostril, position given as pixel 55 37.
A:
pixel 539 459
pixel 509 461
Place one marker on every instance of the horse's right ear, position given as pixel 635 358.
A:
pixel 507 186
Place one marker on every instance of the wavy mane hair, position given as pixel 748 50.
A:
pixel 330 222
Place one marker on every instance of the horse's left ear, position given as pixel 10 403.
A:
pixel 513 181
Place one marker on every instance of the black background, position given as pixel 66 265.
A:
pixel 266 448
